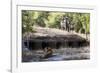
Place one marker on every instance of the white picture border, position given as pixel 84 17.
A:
pixel 18 66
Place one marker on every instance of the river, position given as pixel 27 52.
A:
pixel 61 54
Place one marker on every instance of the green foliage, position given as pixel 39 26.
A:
pixel 80 21
pixel 27 21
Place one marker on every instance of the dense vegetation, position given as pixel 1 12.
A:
pixel 80 21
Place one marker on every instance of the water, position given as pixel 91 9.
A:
pixel 60 54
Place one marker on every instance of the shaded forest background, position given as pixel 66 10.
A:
pixel 80 21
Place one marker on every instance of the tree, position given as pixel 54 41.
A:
pixel 27 21
pixel 80 21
